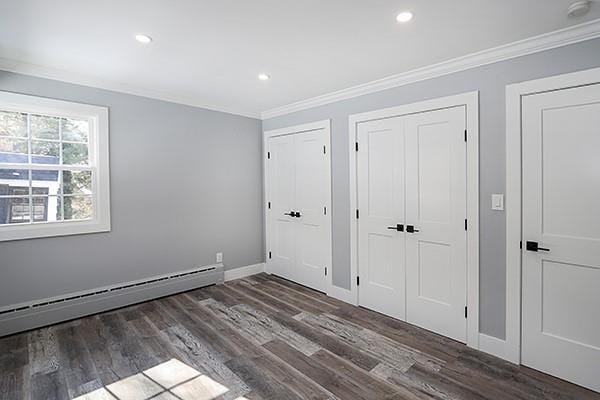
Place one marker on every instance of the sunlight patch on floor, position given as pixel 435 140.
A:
pixel 171 380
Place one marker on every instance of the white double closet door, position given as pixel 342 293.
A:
pixel 412 202
pixel 298 173
pixel 561 234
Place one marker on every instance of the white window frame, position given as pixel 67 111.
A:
pixel 98 163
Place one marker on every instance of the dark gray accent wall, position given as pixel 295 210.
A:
pixel 491 81
pixel 185 183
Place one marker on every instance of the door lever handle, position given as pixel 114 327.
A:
pixel 534 246
pixel 291 214
pixel 398 227
pixel 411 229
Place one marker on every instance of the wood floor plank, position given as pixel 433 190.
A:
pixel 77 366
pixel 265 385
pixel 392 353
pixel 48 386
pixel 259 338
pixel 340 385
pixel 269 300
pixel 401 332
pixel 334 345
pixel 370 383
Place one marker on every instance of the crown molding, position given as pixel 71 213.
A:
pixel 574 34
pixel 40 71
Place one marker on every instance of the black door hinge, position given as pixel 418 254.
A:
pixel 357 213
pixel 465 224
pixel 324 150
pixel 356 145
pixel 357 281
pixel 465 135
pixel 269 254
pixel 325 271
pixel 465 311
pixel 324 210
pixel 269 205
pixel 268 155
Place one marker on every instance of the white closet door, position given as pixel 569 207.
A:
pixel 312 194
pixel 436 252
pixel 561 216
pixel 381 183
pixel 282 188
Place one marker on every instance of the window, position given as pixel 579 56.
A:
pixel 54 177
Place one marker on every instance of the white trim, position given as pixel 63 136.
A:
pixel 342 294
pixel 471 101
pixel 492 345
pixel 40 71
pixel 573 34
pixel 290 130
pixel 99 165
pixel 514 95
pixel 242 272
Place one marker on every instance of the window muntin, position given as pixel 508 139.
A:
pixel 54 193
pixel 53 168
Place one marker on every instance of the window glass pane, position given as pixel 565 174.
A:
pixel 45 208
pixel 45 182
pixel 43 127
pixel 78 207
pixel 14 182
pixel 13 150
pixel 13 124
pixel 43 152
pixel 75 154
pixel 14 210
pixel 77 182
pixel 75 130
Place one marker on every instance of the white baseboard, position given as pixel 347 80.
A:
pixel 242 272
pixel 494 346
pixel 342 294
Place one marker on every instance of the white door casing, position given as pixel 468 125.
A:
pixel 436 252
pixel 561 213
pixel 298 181
pixel 381 183
pixel 470 102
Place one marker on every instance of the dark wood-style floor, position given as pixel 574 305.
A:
pixel 257 338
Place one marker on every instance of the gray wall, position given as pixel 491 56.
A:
pixel 490 81
pixel 185 183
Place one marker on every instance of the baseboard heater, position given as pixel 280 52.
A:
pixel 38 313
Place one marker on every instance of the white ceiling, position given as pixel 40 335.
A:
pixel 209 52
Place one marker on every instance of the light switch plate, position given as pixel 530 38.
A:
pixel 498 202
pixel 219 257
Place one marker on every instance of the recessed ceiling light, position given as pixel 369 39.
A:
pixel 579 8
pixel 404 16
pixel 264 77
pixel 143 38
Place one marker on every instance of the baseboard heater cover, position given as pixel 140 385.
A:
pixel 35 314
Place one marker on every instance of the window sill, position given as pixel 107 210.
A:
pixel 42 230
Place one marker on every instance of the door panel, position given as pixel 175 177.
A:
pixel 381 203
pixel 436 207
pixel 282 187
pixel 312 192
pixel 561 211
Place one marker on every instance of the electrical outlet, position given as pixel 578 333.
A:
pixel 219 257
